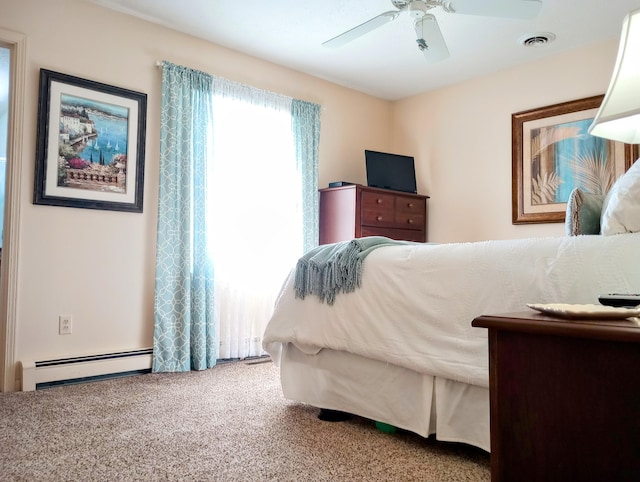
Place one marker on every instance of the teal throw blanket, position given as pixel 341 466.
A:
pixel 329 269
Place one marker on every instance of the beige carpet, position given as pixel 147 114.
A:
pixel 230 423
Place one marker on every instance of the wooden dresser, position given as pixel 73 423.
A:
pixel 356 211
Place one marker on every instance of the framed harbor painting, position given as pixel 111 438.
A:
pixel 90 144
pixel 553 153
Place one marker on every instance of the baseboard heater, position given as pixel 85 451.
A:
pixel 38 374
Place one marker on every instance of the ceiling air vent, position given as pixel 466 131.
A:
pixel 537 39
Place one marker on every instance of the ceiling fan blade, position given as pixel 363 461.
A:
pixel 497 8
pixel 362 29
pixel 430 39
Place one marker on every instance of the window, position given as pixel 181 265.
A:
pixel 255 215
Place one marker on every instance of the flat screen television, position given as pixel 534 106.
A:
pixel 390 171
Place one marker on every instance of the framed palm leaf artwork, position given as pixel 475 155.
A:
pixel 553 153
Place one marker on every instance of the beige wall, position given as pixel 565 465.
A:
pixel 99 265
pixel 461 138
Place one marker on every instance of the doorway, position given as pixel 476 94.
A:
pixel 5 69
pixel 12 95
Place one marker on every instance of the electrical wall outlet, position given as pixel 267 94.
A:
pixel 64 324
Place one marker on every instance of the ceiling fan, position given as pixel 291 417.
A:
pixel 430 40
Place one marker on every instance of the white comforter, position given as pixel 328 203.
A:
pixel 416 302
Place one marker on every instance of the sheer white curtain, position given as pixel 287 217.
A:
pixel 255 196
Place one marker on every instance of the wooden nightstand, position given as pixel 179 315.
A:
pixel 565 398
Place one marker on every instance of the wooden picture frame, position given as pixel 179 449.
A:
pixel 90 144
pixel 552 153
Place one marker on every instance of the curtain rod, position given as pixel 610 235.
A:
pixel 159 64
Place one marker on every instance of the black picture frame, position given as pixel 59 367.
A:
pixel 90 144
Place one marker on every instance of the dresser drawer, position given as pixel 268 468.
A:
pixel 377 209
pixel 410 206
pixel 400 234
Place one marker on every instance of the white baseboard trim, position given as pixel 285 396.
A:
pixel 36 372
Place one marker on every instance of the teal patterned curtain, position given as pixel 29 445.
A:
pixel 184 333
pixel 306 133
pixel 197 320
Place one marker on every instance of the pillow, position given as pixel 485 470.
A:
pixel 583 213
pixel 621 207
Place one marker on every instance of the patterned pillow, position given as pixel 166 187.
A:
pixel 583 213
pixel 621 208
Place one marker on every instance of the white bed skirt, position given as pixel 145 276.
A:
pixel 420 403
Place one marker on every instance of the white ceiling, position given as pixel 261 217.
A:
pixel 386 62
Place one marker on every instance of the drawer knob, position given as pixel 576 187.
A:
pixel 379 201
pixel 410 221
pixel 379 218
pixel 410 205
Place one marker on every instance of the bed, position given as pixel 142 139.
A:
pixel 401 350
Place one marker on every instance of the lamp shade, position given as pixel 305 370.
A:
pixel 619 115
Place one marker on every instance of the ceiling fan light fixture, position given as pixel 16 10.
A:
pixel 537 39
pixel 417 9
